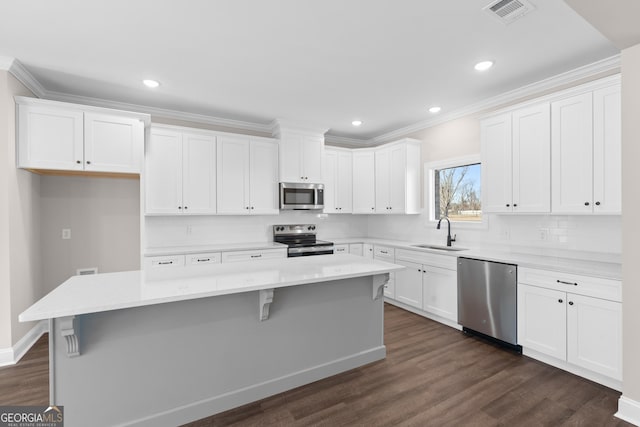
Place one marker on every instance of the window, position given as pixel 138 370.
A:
pixel 455 190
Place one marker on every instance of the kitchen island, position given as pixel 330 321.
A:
pixel 169 346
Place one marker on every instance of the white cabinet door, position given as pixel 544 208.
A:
pixel 263 170
pixel 397 178
pixel 341 249
pixel 356 249
pixel 531 156
pixel 542 320
pixel 495 135
pixel 572 154
pixel 440 292
pixel 233 175
pixel 607 157
pixel 199 174
pixel 291 158
pixel 163 173
pixel 312 151
pixel 344 182
pixel 364 177
pixel 112 143
pixel 382 180
pixel 50 138
pixel 594 333
pixel 330 179
pixel 408 283
pixel 367 250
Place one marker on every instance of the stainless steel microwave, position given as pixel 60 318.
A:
pixel 298 196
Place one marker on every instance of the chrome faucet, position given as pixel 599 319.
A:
pixel 449 238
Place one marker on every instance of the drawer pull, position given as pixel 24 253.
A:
pixel 256 256
pixel 570 302
pixel 204 259
pixel 165 262
pixel 384 252
pixel 567 283
pixel 560 301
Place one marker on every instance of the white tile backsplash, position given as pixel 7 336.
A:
pixel 197 230
pixel 585 237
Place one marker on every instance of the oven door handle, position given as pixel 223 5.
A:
pixel 311 249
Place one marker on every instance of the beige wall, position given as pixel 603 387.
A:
pixel 630 224
pixel 20 283
pixel 104 217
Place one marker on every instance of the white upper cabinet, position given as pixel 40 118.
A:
pixel 607 147
pixel 586 153
pixel 247 176
pixel 516 161
pixel 364 182
pixel 61 136
pixel 338 180
pixel 572 143
pixel 301 153
pixel 397 178
pixel 163 172
pixel 112 143
pixel 180 173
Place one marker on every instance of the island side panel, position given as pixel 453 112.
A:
pixel 171 363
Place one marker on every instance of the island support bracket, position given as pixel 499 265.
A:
pixel 69 331
pixel 379 282
pixel 266 298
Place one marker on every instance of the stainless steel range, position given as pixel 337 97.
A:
pixel 301 240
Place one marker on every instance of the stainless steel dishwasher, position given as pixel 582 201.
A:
pixel 487 300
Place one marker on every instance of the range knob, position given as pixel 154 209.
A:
pixel 309 228
pixel 313 227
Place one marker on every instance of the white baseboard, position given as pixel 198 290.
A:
pixel 628 410
pixel 11 355
pixel 216 404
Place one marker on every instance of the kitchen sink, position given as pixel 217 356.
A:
pixel 440 248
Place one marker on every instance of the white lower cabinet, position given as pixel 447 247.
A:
pixel 409 284
pixel 429 283
pixel 583 330
pixel 367 250
pixel 341 249
pixel 164 261
pixel 239 256
pixel 204 258
pixel 356 249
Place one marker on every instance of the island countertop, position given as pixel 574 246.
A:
pixel 113 291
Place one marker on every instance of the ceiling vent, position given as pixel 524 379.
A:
pixel 507 11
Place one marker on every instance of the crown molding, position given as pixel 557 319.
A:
pixel 606 65
pixel 278 125
pixel 589 70
pixel 161 112
pixel 343 141
pixel 25 77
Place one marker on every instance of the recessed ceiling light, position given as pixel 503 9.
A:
pixel 151 83
pixel 434 110
pixel 356 122
pixel 484 65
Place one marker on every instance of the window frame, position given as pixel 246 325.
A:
pixel 429 190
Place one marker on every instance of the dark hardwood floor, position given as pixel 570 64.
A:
pixel 433 376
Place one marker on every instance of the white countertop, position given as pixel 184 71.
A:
pixel 590 267
pixel 113 291
pixel 222 247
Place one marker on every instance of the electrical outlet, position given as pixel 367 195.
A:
pixel 66 233
pixel 189 229
pixel 543 234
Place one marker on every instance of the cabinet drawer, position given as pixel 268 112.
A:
pixel 341 249
pixel 577 284
pixel 204 258
pixel 435 260
pixel 164 261
pixel 240 256
pixel 384 252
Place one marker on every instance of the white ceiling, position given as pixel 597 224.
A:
pixel 325 61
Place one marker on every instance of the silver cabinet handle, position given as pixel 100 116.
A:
pixel 567 283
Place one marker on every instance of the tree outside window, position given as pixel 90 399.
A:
pixel 457 193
